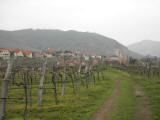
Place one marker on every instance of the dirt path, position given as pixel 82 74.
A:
pixel 142 108
pixel 143 111
pixel 101 113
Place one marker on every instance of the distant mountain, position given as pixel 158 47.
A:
pixel 146 47
pixel 62 40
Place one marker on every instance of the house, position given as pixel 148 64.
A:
pixel 37 55
pixel 50 51
pixel 114 59
pixel 123 58
pixel 5 53
pixel 27 53
pixel 86 58
pixel 18 53
pixel 47 55
pixel 99 57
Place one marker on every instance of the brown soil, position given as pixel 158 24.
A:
pixel 101 113
pixel 143 111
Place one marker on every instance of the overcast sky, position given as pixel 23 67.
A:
pixel 127 21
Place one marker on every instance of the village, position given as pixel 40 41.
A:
pixel 16 53
pixel 6 53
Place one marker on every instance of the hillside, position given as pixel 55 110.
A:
pixel 62 40
pixel 146 47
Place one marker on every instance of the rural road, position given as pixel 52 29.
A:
pixel 142 110
pixel 102 112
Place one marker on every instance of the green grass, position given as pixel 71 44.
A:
pixel 87 101
pixel 124 106
pixel 71 107
pixel 152 88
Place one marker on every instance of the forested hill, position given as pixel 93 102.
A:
pixel 61 40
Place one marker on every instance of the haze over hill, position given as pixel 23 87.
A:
pixel 146 47
pixel 62 40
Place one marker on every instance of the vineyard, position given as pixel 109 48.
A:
pixel 29 86
pixel 148 77
pixel 65 89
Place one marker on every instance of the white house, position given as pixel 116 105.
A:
pixel 86 58
pixel 27 53
pixel 18 53
pixel 4 53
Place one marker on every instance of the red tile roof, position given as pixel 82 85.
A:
pixel 27 52
pixel 17 50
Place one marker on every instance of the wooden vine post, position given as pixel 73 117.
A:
pixel 4 92
pixel 64 82
pixel 64 78
pixel 41 85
